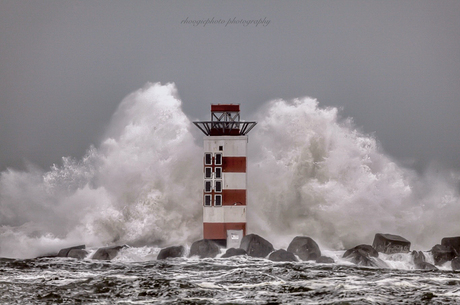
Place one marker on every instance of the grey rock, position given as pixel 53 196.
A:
pixel 65 252
pixel 425 266
pixel 174 251
pixel 456 263
pixel 442 254
pixel 204 248
pixel 234 252
pixel 305 248
pixel 389 243
pixel 364 255
pixel 365 248
pixel 453 242
pixel 256 246
pixel 418 257
pixel 77 253
pixel 107 253
pixel 282 256
pixel 325 260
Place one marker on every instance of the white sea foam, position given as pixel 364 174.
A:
pixel 309 173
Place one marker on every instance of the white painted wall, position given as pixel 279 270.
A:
pixel 234 146
pixel 234 181
pixel 224 214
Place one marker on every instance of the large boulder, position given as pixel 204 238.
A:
pixel 420 261
pixel 442 254
pixel 107 253
pixel 305 248
pixel 367 249
pixel 78 253
pixel 456 263
pixel 234 252
pixel 256 246
pixel 453 242
pixel 204 248
pixel 174 251
pixel 364 255
pixel 389 243
pixel 282 256
pixel 325 260
pixel 65 252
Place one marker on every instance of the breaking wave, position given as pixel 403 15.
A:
pixel 309 173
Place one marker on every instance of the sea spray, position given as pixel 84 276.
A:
pixel 309 173
pixel 314 174
pixel 140 186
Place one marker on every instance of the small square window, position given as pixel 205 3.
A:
pixel 207 200
pixel 218 160
pixel 221 148
pixel 218 186
pixel 207 186
pixel 218 200
pixel 218 172
pixel 208 158
pixel 208 172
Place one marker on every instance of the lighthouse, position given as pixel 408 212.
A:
pixel 224 175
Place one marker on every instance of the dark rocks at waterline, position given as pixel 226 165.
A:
pixel 456 263
pixel 426 266
pixel 420 261
pixel 78 253
pixel 107 253
pixel 389 243
pixel 256 246
pixel 367 249
pixel 171 252
pixel 234 252
pixel 364 255
pixel 305 248
pixel 282 256
pixel 325 260
pixel 65 252
pixel 204 248
pixel 453 242
pixel 442 254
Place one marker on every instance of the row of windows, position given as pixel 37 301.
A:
pixel 217 172
pixel 208 186
pixel 208 157
pixel 208 200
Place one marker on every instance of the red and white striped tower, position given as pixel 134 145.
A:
pixel 224 174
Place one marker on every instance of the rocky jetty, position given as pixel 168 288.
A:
pixel 305 248
pixel 204 248
pixel 171 252
pixel 282 256
pixel 389 243
pixel 256 246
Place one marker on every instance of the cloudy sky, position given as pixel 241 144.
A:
pixel 394 66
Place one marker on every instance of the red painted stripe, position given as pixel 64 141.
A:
pixel 225 108
pixel 234 164
pixel 219 230
pixel 230 197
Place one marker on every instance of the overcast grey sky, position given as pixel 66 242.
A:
pixel 394 66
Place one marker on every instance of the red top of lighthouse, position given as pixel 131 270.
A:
pixel 225 121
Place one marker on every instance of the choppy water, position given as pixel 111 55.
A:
pixel 238 280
